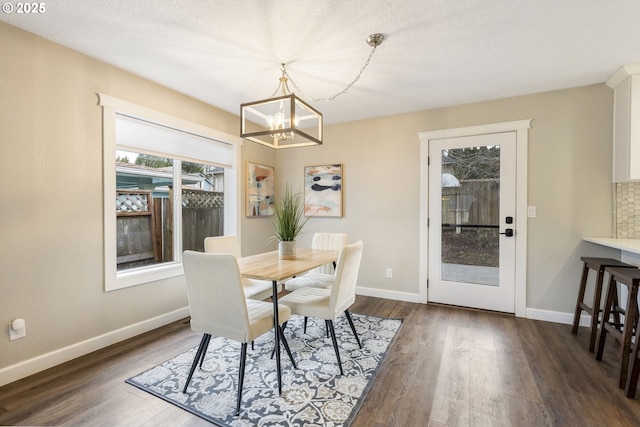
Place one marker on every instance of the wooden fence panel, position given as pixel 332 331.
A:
pixel 202 216
pixel 134 229
pixel 199 223
pixel 473 202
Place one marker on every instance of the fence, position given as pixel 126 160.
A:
pixel 474 202
pixel 145 224
pixel 470 221
pixel 202 216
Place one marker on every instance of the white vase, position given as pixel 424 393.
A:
pixel 287 249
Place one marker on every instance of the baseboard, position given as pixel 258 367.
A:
pixel 386 294
pixel 40 363
pixel 556 317
pixel 531 313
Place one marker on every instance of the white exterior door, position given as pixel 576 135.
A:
pixel 473 226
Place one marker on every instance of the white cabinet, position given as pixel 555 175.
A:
pixel 626 123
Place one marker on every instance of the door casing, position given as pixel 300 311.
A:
pixel 521 127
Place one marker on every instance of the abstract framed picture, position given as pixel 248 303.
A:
pixel 260 190
pixel 323 187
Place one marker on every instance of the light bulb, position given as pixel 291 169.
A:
pixel 279 119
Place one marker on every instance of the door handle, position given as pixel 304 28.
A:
pixel 508 232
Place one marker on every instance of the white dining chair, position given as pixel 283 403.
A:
pixel 320 277
pixel 218 307
pixel 328 303
pixel 253 288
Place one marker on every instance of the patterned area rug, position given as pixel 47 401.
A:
pixel 315 394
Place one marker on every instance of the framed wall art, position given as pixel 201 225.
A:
pixel 323 190
pixel 260 190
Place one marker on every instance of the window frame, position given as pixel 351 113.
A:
pixel 111 107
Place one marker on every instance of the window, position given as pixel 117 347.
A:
pixel 168 183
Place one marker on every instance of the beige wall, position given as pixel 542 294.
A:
pixel 51 257
pixel 569 179
pixel 51 270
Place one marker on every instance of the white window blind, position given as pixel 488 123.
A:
pixel 149 137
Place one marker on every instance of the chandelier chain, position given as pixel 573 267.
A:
pixel 354 81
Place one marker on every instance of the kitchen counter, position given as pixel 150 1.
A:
pixel 628 245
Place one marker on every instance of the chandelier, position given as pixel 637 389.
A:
pixel 284 120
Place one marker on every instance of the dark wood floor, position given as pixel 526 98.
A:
pixel 448 367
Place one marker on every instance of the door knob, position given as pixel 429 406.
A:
pixel 508 232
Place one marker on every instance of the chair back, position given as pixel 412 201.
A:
pixel 330 241
pixel 222 245
pixel 216 296
pixel 343 290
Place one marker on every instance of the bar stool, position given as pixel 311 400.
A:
pixel 631 278
pixel 598 265
pixel 634 368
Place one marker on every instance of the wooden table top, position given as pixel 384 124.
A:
pixel 268 265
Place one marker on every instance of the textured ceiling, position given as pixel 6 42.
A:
pixel 436 53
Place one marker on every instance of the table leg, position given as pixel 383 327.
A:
pixel 276 325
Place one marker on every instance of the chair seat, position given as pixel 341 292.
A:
pixel 314 302
pixel 258 289
pixel 261 317
pixel 309 302
pixel 315 280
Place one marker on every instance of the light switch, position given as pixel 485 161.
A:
pixel 531 211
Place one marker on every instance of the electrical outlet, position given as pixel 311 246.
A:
pixel 389 272
pixel 17 334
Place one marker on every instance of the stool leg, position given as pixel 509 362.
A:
pixel 595 310
pixel 616 312
pixel 630 318
pixel 634 369
pixel 602 332
pixel 583 285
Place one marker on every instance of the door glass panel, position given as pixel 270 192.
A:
pixel 470 215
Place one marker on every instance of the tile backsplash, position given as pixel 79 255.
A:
pixel 627 210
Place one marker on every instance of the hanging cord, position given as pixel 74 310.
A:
pixel 373 40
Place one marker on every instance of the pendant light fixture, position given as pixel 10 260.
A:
pixel 281 121
pixel 284 120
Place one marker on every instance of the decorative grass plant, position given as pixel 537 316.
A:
pixel 289 215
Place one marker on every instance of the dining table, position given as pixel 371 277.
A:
pixel 269 266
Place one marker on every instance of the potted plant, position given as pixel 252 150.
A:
pixel 288 221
